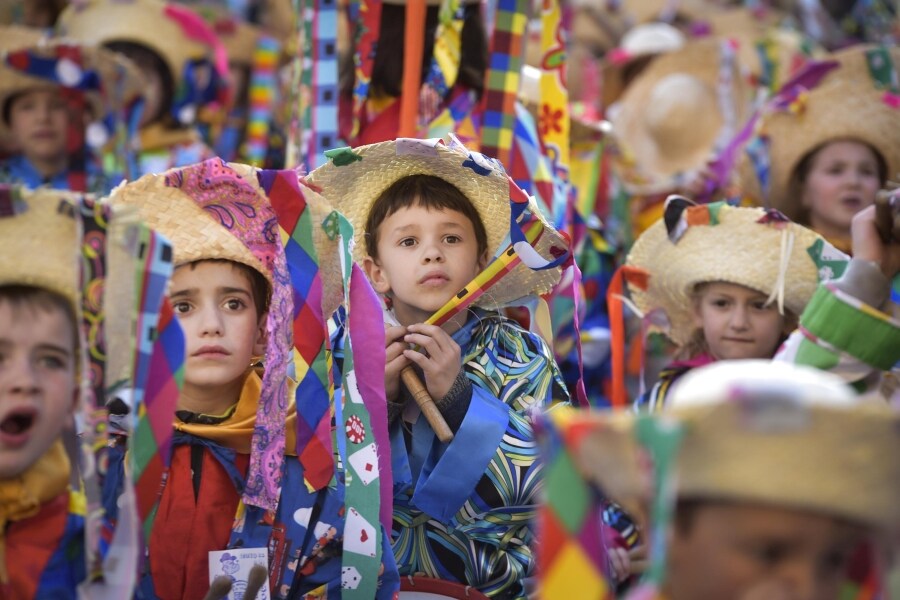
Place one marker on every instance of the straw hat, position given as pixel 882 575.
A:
pixel 787 49
pixel 149 23
pixel 28 258
pixel 672 118
pixel 790 436
pixel 354 180
pixel 719 242
pixel 846 104
pixel 186 215
pixel 237 35
pixel 762 432
pixel 110 81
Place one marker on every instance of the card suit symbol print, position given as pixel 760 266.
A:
pixel 363 536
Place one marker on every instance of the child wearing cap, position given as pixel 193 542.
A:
pixel 768 480
pixel 182 63
pixel 724 282
pixel 427 218
pixel 41 110
pixel 231 292
pixel 825 146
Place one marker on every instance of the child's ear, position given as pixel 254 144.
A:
pixel 483 261
pixel 262 336
pixel 376 275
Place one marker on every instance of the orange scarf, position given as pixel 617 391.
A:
pixel 236 431
pixel 21 497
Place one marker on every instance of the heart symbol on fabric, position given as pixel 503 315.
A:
pixel 363 536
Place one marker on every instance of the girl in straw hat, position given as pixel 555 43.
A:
pixel 727 282
pixel 823 150
pixel 61 103
pixel 43 361
pixel 248 469
pixel 427 217
pixel 183 65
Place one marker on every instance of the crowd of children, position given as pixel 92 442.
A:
pixel 316 300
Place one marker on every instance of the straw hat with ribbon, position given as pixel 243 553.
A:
pixel 752 247
pixel 216 210
pixel 194 56
pixel 677 114
pixel 762 432
pixel 111 82
pixel 856 98
pixel 355 178
pixel 769 51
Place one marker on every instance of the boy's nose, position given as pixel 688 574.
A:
pixel 22 378
pixel 432 253
pixel 739 318
pixel 211 323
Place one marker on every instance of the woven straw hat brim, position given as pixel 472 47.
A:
pixel 821 467
pixel 141 22
pixel 194 233
pixel 737 250
pixel 844 106
pixel 120 80
pixel 354 188
pixel 40 247
pixel 697 136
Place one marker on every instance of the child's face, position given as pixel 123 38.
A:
pixel 736 321
pixel 215 307
pixel 843 179
pixel 38 120
pixel 38 390
pixel 424 258
pixel 747 551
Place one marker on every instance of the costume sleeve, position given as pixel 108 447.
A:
pixel 841 333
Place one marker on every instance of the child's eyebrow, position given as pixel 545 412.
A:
pixel 234 290
pixel 183 293
pixel 4 343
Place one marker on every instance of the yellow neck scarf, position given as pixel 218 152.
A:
pixel 237 430
pixel 22 496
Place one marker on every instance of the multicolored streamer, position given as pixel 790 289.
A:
pixel 502 78
pixel 366 17
pixel 311 356
pixel 262 99
pixel 318 97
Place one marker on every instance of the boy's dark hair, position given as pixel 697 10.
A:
pixel 20 296
pixel 259 286
pixel 429 192
pixel 141 54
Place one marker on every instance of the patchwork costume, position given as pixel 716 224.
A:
pixel 463 510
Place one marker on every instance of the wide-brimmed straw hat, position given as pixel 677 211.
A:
pixel 767 433
pixel 196 218
pixel 845 105
pixel 748 246
pixel 109 81
pixel 354 180
pixel 677 113
pixel 172 31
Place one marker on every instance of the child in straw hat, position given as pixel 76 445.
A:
pixel 781 477
pixel 427 218
pixel 183 65
pixel 823 148
pixel 60 104
pixel 233 295
pixel 42 362
pixel 724 282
